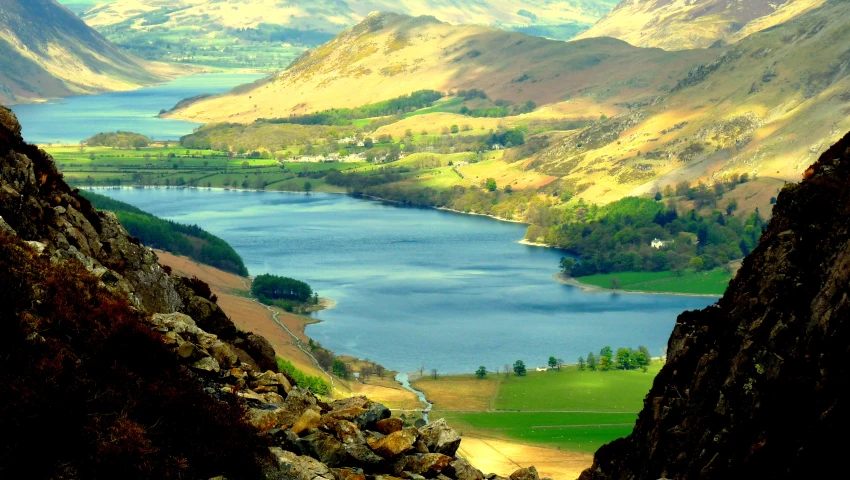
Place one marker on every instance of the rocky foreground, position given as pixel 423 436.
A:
pixel 131 372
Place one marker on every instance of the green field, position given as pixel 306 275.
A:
pixel 567 409
pixel 713 282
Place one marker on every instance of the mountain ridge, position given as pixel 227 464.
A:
pixel 48 53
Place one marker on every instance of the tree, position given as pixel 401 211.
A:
pixel 645 351
pixel 658 196
pixel 567 265
pixel 339 369
pixel 581 363
pixel 591 361
pixel 455 129
pixel 491 184
pixel 481 372
pixel 553 362
pixel 380 370
pixel 624 359
pixel 519 368
pixel 434 373
pixel 615 283
pixel 507 370
pixel 366 371
pixel 604 363
pixel 308 187
pixel 731 206
pixel 697 264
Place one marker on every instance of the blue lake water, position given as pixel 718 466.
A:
pixel 73 119
pixel 418 287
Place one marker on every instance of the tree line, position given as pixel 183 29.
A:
pixel 121 140
pixel 268 287
pixel 344 116
pixel 171 236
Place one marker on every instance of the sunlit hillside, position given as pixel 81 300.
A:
pixel 684 24
pixel 389 55
pixel 769 106
pixel 47 52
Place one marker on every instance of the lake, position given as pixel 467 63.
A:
pixel 74 119
pixel 420 287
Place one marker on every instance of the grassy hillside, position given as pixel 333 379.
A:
pixel 685 25
pixel 47 52
pixel 389 55
pixel 177 238
pixel 768 106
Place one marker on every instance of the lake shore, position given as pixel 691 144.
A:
pixel 571 281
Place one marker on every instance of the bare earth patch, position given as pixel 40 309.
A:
pixel 458 393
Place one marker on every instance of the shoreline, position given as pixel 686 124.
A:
pixel 571 281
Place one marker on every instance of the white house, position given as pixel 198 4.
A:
pixel 541 369
pixel 656 243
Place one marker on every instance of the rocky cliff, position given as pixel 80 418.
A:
pixel 110 367
pixel 756 386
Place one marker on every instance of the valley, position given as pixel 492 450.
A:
pixel 349 195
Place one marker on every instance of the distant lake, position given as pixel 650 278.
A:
pixel 419 287
pixel 73 119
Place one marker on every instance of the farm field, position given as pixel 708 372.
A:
pixel 571 410
pixel 713 282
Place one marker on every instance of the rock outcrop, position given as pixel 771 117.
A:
pixel 756 386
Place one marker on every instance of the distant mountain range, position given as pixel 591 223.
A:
pixel 388 55
pixel 47 52
pixel 682 25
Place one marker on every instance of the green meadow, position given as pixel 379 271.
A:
pixel 568 409
pixel 712 282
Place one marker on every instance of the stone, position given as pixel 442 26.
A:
pixel 324 447
pixel 270 416
pixel 273 379
pixel 348 473
pixel 309 419
pixel 261 351
pixel 301 467
pixel 37 246
pixel 345 431
pixel 440 438
pixel 187 350
pixel 361 455
pixel 206 364
pixel 395 443
pixel 389 425
pixel 529 473
pixel 427 464
pixel 223 355
pixel 6 228
pixel 461 469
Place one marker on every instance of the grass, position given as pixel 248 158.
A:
pixel 568 409
pixel 713 282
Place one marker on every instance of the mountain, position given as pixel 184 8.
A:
pixel 755 386
pixel 331 16
pixel 140 374
pixel 47 52
pixel 743 112
pixel 270 34
pixel 389 55
pixel 687 24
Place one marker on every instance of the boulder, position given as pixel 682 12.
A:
pixel 223 355
pixel 427 464
pixel 348 474
pixel 395 443
pixel 309 419
pixel 460 469
pixel 362 456
pixel 440 438
pixel 300 467
pixel 273 379
pixel 345 431
pixel 286 414
pixel 206 364
pixel 261 351
pixel 359 410
pixel 324 447
pixel 529 473
pixel 389 425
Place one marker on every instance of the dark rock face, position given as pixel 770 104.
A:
pixel 39 207
pixel 756 386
